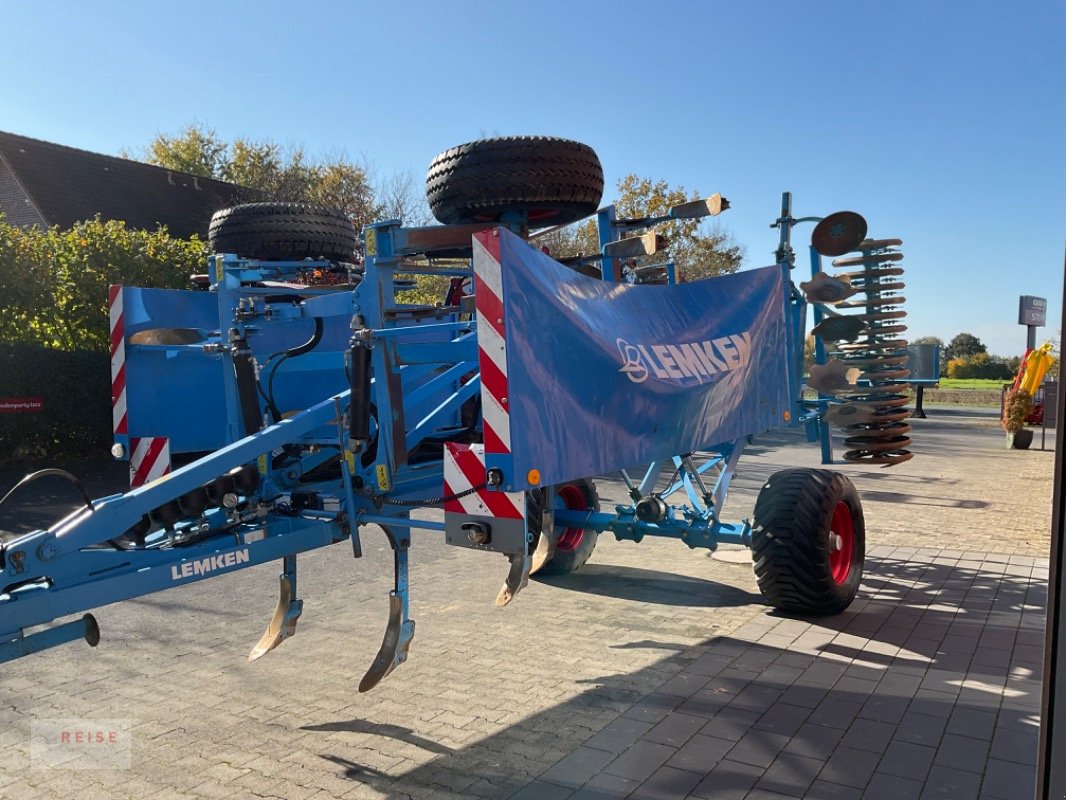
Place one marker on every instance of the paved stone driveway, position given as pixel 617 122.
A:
pixel 655 672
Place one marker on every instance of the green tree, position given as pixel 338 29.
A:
pixel 195 150
pixel 53 282
pixel 964 344
pixel 979 365
pixel 699 249
pixel 281 174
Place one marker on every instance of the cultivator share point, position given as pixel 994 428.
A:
pixel 301 399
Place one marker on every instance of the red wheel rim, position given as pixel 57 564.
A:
pixel 841 543
pixel 572 498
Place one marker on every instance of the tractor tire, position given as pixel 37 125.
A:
pixel 553 181
pixel 283 231
pixel 573 546
pixel 809 541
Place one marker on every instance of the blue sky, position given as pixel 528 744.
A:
pixel 943 123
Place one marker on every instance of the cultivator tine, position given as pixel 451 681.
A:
pixel 541 555
pixel 400 630
pixel 517 577
pixel 283 624
pixel 541 517
pixel 393 651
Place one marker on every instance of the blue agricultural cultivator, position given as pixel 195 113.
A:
pixel 306 400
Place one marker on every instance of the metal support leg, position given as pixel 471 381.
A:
pixel 919 395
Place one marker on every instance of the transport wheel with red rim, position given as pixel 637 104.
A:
pixel 808 541
pixel 571 497
pixel 565 549
pixel 841 543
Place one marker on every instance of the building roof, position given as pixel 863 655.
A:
pixel 67 185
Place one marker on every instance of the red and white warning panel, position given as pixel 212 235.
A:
pixel 476 515
pixel 118 360
pixel 492 342
pixel 149 459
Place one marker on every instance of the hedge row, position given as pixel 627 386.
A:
pixel 53 282
pixel 74 414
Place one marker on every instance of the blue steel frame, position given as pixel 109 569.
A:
pixel 424 368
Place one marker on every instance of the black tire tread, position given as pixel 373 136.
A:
pixel 789 541
pixel 554 180
pixel 282 231
pixel 564 563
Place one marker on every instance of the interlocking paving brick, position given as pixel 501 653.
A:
pixel 836 712
pixel 783 718
pixel 578 767
pixel 962 752
pixel 790 774
pixel 883 786
pixel 868 734
pixel 1005 780
pixel 729 780
pixel 605 787
pixel 933 703
pixel 1018 745
pixel 815 741
pixel 640 760
pixel 973 722
pixel 919 728
pixel 618 735
pixel 667 783
pixel 676 729
pixel 827 790
pixel 850 767
pixel 731 723
pixel 907 760
pixel 541 790
pixel 758 748
pixel 807 696
pixel 700 753
pixel 945 783
pixel 885 708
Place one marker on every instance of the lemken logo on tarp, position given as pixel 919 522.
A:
pixel 684 363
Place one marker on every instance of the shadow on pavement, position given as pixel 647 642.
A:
pixel 397 732
pixel 922 500
pixel 928 687
pixel 651 586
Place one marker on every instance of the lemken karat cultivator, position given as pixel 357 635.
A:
pixel 307 400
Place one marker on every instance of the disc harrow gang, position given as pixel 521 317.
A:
pixel 871 410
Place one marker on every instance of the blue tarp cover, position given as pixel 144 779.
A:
pixel 604 376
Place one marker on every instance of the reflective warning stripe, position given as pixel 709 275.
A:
pixel 118 360
pixel 492 341
pixel 464 468
pixel 149 459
